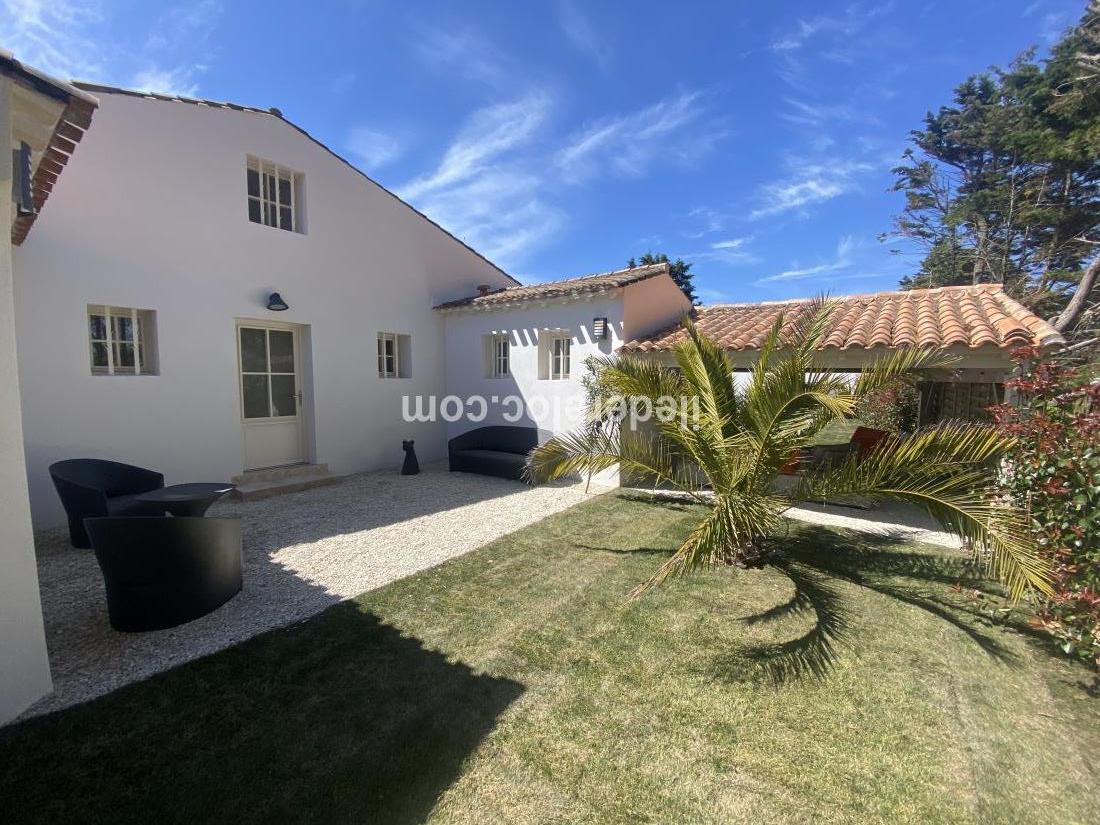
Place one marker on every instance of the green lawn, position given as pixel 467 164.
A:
pixel 515 685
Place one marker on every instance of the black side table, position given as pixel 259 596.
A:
pixel 186 499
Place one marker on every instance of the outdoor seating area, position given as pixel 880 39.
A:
pixel 299 554
pixel 163 564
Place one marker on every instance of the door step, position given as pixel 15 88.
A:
pixel 256 484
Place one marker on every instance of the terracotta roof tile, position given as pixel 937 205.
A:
pixel 968 316
pixel 573 287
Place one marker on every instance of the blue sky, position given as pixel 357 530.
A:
pixel 560 138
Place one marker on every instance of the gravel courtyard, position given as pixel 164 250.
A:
pixel 302 552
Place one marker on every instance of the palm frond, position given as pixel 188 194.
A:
pixel 901 364
pixel 732 522
pixel 647 456
pixel 945 472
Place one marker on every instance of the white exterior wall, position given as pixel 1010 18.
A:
pixel 151 214
pixel 651 305
pixel 24 668
pixel 556 406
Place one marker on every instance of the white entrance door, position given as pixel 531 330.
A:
pixel 271 397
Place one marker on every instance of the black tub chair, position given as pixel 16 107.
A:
pixel 90 487
pixel 162 571
pixel 492 451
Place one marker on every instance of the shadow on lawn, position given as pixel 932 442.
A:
pixel 815 560
pixel 338 719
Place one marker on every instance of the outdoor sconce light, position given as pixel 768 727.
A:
pixel 599 328
pixel 276 303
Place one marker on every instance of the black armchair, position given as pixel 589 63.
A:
pixel 162 571
pixel 90 487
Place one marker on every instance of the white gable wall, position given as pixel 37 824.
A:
pixel 554 405
pixel 152 214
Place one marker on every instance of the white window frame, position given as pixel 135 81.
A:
pixel 555 355
pixel 386 370
pixel 560 348
pixel 140 321
pixel 268 202
pixel 500 355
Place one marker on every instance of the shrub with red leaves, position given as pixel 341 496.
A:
pixel 1054 473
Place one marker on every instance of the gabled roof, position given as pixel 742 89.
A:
pixel 954 316
pixel 584 286
pixel 278 115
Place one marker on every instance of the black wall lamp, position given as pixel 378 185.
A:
pixel 276 303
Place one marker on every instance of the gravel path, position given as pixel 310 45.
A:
pixel 886 519
pixel 302 552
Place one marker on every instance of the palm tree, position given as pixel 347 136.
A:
pixel 725 445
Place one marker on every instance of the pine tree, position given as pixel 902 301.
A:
pixel 1004 185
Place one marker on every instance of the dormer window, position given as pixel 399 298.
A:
pixel 274 195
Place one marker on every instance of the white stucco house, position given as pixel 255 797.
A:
pixel 213 293
pixel 146 335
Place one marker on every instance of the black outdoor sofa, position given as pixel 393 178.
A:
pixel 493 451
pixel 91 487
pixel 163 571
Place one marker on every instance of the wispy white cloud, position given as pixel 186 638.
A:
pixel 487 189
pixel 627 145
pixel 846 24
pixel 176 81
pixel 56 36
pixel 704 221
pixel 487 135
pixel 727 252
pixel 732 243
pixel 460 50
pixel 373 148
pixel 842 260
pixel 66 38
pixel 178 50
pixel 803 113
pixel 810 183
pixel 580 32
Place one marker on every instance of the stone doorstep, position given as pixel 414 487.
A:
pixel 256 484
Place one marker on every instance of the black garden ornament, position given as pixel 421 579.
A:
pixel 411 466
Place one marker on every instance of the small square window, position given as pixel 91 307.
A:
pixel 497 355
pixel 274 195
pixel 122 341
pixel 554 355
pixel 394 355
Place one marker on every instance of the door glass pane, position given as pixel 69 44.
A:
pixel 282 395
pixel 282 350
pixel 253 350
pixel 254 388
